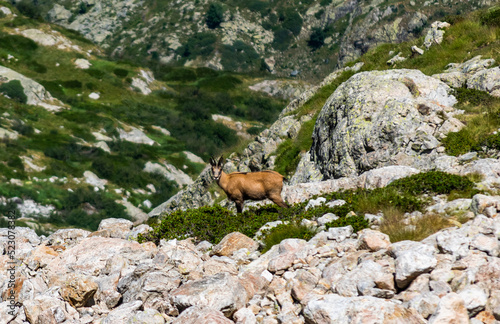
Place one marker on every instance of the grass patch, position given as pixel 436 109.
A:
pixel 416 230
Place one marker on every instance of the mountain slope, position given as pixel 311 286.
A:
pixel 311 37
pixel 80 132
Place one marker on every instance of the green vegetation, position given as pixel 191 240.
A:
pixel 481 118
pixel 404 195
pixel 285 231
pixel 213 223
pixel 215 15
pixel 417 230
pixel 317 38
pixel 14 90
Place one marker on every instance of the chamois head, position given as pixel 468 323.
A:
pixel 217 167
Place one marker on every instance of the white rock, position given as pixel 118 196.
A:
pixel 94 95
pixel 92 179
pixel 82 64
pixel 135 135
pixel 327 218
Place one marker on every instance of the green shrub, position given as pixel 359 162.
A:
pixel 317 38
pixel 472 97
pixel 291 21
pixel 458 143
pixel 98 74
pixel 257 6
pixel 181 75
pixel 436 182
pixel 285 231
pixel 29 9
pixel 282 39
pixel 239 57
pixel 200 44
pixel 255 130
pixel 357 222
pixel 214 16
pixel 14 90
pixel 214 222
pixel 491 17
pixel 37 67
pixel 72 84
pixel 121 73
pixel 220 83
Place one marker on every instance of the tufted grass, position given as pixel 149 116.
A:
pixel 416 229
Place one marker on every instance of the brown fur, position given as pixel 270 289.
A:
pixel 241 186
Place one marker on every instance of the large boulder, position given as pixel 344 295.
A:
pixel 378 118
pixel 35 93
pixel 337 309
pixel 222 292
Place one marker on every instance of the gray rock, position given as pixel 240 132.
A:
pixel 222 292
pixel 426 304
pixel 201 315
pixel 58 14
pixel 135 135
pixel 327 218
pixel 315 202
pixel 35 92
pixel 387 124
pixel 435 34
pixel 92 179
pixel 343 310
pixel 170 172
pixel 474 298
pixel 340 234
pixel 122 313
pixel 117 227
pixel 147 316
pixel 451 309
pixel 412 259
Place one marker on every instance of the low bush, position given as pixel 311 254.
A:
pixel 214 16
pixel 436 182
pixel 357 222
pixel 95 73
pixel 121 73
pixel 14 90
pixel 239 57
pixel 317 38
pixel 200 44
pixel 285 231
pixel 282 39
pixel 491 17
pixel 214 222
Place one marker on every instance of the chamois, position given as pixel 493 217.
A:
pixel 241 186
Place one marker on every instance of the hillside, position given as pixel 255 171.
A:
pixel 83 135
pixel 393 168
pixel 311 37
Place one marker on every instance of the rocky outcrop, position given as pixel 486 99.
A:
pixel 337 276
pixel 35 92
pixel 380 118
pixel 135 135
pixel 282 89
pixel 170 172
pixel 473 73
pixel 51 38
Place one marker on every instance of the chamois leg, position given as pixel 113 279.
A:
pixel 239 206
pixel 278 201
